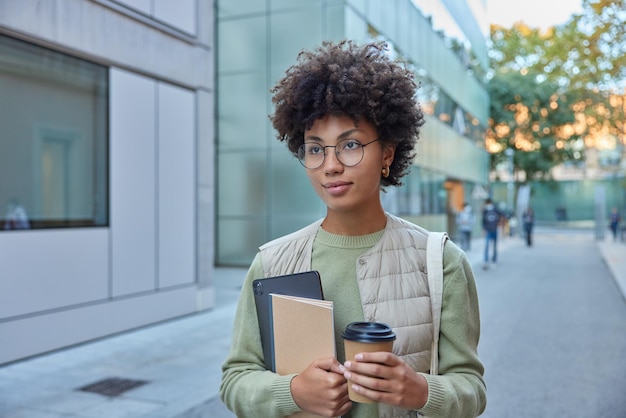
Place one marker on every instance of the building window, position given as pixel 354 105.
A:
pixel 53 141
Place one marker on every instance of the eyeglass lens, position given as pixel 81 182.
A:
pixel 349 152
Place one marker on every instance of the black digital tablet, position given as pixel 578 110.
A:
pixel 306 284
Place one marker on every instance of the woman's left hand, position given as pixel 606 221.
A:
pixel 384 377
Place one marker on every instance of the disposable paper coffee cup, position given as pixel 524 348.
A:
pixel 366 337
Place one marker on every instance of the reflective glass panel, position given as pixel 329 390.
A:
pixel 53 141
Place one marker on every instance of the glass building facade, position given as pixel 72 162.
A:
pixel 263 192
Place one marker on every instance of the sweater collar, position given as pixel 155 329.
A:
pixel 345 241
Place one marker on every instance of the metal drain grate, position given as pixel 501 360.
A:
pixel 112 386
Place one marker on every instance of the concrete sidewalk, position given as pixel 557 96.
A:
pixel 614 255
pixel 179 362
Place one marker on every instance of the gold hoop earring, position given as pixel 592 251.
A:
pixel 385 172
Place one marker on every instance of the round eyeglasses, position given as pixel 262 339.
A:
pixel 349 152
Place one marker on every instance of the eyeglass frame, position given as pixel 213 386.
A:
pixel 301 160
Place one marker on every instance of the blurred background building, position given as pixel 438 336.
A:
pixel 138 166
pixel 262 190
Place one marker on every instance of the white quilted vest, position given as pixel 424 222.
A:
pixel 393 284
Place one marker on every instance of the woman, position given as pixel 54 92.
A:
pixel 348 113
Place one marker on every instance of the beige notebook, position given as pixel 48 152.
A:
pixel 303 330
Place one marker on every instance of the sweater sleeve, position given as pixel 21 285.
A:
pixel 247 388
pixel 459 389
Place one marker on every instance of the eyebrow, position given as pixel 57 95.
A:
pixel 344 135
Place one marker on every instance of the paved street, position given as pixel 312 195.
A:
pixel 554 331
pixel 553 343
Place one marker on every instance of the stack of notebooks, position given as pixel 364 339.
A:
pixel 295 321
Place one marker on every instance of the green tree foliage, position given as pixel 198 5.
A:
pixel 568 80
pixel 530 116
pixel 596 46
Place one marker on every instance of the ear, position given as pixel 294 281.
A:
pixel 389 151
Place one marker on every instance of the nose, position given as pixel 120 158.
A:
pixel 331 161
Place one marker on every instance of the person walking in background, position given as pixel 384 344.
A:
pixel 513 224
pixel 614 220
pixel 348 114
pixel 491 221
pixel 528 220
pixel 465 224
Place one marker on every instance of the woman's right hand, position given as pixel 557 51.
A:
pixel 322 389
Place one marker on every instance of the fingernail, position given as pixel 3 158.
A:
pixel 359 357
pixel 347 364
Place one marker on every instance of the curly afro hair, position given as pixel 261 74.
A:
pixel 361 82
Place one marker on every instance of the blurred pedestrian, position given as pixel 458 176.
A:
pixel 614 220
pixel 465 224
pixel 491 221
pixel 513 225
pixel 528 219
pixel 16 216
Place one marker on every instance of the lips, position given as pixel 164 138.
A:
pixel 337 187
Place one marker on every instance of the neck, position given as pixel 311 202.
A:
pixel 351 224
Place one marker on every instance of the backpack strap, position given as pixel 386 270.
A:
pixel 434 266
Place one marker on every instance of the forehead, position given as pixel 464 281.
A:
pixel 335 126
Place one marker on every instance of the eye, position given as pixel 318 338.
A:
pixel 350 145
pixel 314 149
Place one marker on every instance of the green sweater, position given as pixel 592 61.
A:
pixel 459 391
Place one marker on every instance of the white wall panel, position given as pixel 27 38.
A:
pixel 180 14
pixel 176 133
pixel 133 182
pixel 49 269
pixel 110 36
pixel 144 6
pixel 41 333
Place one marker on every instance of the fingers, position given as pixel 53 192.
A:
pixel 379 357
pixel 371 370
pixel 384 377
pixel 374 395
pixel 322 389
pixel 330 364
pixel 369 375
